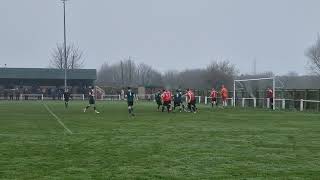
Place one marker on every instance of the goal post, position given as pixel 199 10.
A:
pixel 234 98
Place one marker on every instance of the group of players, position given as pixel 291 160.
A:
pixel 164 99
pixel 92 101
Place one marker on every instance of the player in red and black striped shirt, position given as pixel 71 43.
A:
pixel 191 100
pixel 270 97
pixel 213 96
pixel 166 99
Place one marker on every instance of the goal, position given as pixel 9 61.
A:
pixel 252 92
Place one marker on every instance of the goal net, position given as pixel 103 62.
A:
pixel 254 93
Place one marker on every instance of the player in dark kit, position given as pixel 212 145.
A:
pixel 158 99
pixel 66 96
pixel 130 100
pixel 177 99
pixel 92 101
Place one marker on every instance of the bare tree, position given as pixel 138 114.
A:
pixel 74 57
pixel 220 72
pixel 171 79
pixel 126 72
pixel 146 75
pixel 313 54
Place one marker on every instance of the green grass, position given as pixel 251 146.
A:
pixel 213 144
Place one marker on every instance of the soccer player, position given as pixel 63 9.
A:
pixel 270 97
pixel 177 99
pixel 66 96
pixel 191 100
pixel 92 101
pixel 213 96
pixel 130 99
pixel 224 96
pixel 158 99
pixel 166 98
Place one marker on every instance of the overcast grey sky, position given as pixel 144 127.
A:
pixel 167 34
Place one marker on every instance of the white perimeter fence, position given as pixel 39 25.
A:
pixel 284 104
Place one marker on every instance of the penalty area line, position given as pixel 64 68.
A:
pixel 58 119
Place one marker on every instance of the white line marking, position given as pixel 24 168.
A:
pixel 58 119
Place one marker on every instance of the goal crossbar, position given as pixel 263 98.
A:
pixel 243 80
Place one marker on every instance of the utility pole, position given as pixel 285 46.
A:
pixel 255 66
pixel 130 71
pixel 122 80
pixel 65 45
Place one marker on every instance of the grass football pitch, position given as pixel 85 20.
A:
pixel 43 140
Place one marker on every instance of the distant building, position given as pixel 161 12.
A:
pixel 35 79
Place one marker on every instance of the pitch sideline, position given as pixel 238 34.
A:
pixel 58 119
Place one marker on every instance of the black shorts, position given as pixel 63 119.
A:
pixel 130 103
pixel 193 102
pixel 177 103
pixel 159 102
pixel 271 100
pixel 66 99
pixel 214 99
pixel 92 101
pixel 166 103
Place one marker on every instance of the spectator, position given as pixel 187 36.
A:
pixel 17 94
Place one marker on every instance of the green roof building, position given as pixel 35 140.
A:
pixel 21 77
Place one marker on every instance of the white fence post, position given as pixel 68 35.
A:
pixel 268 103
pixel 301 105
pixel 283 104
pixel 205 100
pixel 243 99
pixel 83 97
pixel 42 97
pixel 119 97
pixel 254 102
pixel 199 99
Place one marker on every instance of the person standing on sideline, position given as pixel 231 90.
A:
pixel 122 94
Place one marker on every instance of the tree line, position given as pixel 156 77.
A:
pixel 127 73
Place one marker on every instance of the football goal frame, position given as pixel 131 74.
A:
pixel 257 79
